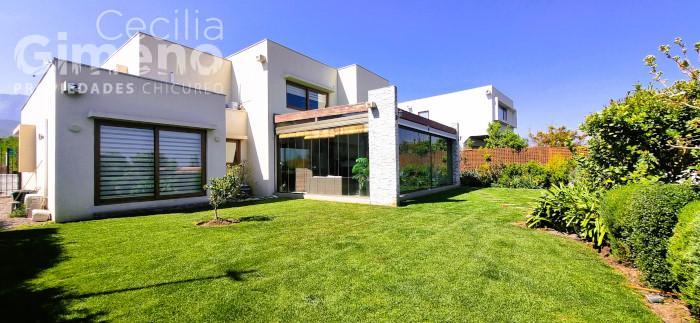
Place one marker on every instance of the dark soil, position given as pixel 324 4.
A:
pixel 217 223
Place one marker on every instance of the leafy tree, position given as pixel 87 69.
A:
pixel 12 143
pixel 503 137
pixel 633 138
pixel 557 137
pixel 685 91
pixel 222 190
pixel 651 134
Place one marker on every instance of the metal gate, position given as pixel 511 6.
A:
pixel 9 176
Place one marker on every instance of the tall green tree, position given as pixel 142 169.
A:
pixel 500 136
pixel 650 134
pixel 557 137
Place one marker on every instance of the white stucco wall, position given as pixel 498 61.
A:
pixel 472 109
pixel 190 67
pixel 367 81
pixel 261 89
pixel 249 83
pixel 347 85
pixel 74 151
pixel 40 112
pixel 156 58
pixel 354 81
pixel 126 55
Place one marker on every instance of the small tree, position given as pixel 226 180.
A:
pixel 360 172
pixel 557 137
pixel 222 190
pixel 503 137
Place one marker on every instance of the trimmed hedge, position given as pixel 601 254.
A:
pixel 641 218
pixel 614 206
pixel 684 255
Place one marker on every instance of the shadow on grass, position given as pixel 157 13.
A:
pixel 235 275
pixel 24 254
pixel 448 196
pixel 256 218
pixel 196 207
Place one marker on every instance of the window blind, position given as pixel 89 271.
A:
pixel 180 162
pixel 126 162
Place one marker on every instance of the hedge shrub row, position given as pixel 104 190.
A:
pixel 640 220
pixel 684 255
pixel 526 175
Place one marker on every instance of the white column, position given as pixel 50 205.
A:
pixel 383 147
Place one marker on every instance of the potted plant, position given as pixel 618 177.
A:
pixel 360 173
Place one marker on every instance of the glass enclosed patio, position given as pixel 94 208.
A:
pixel 321 165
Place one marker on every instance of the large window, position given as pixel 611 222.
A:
pixel 425 160
pixel 143 162
pixel 304 98
pixel 321 165
pixel 502 113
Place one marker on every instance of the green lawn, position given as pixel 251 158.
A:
pixel 457 256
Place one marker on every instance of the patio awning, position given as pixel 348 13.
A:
pixel 327 133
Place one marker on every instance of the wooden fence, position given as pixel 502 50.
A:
pixel 473 158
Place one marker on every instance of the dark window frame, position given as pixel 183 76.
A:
pixel 156 151
pixel 306 93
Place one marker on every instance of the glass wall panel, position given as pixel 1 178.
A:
pixel 321 166
pixel 425 160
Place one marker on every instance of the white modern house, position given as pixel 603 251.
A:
pixel 472 110
pixel 157 120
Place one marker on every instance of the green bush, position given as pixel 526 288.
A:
pixel 641 218
pixel 573 209
pixel 684 255
pixel 471 178
pixel 486 175
pixel 560 169
pixel 614 206
pixel 528 175
pixel 631 138
pixel 19 212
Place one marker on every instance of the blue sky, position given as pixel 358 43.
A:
pixel 559 60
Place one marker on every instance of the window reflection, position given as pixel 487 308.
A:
pixel 425 160
pixel 321 165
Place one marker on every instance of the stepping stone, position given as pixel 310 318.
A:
pixel 655 298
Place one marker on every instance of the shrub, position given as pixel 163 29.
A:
pixel 223 189
pixel 614 206
pixel 684 255
pixel 560 169
pixel 573 209
pixel 360 172
pixel 641 218
pixel 19 212
pixel 498 136
pixel 528 175
pixel 471 178
pixel 633 138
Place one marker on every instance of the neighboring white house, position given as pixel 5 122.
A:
pixel 472 109
pixel 151 126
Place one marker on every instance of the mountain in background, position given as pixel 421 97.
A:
pixel 10 105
